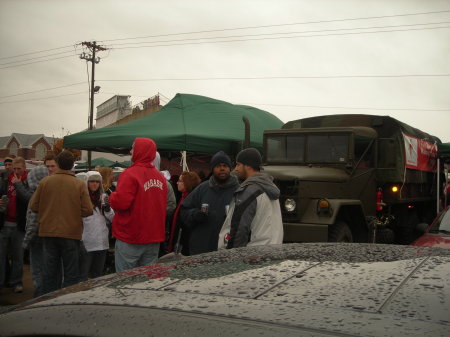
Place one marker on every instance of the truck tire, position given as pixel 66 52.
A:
pixel 339 232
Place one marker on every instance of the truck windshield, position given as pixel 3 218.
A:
pixel 311 148
pixel 327 148
pixel 283 149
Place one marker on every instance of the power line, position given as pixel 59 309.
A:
pixel 282 37
pixel 280 33
pixel 346 107
pixel 232 29
pixel 24 64
pixel 41 90
pixel 281 25
pixel 274 77
pixel 43 98
pixel 35 52
pixel 37 58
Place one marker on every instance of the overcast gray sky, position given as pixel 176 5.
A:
pixel 295 59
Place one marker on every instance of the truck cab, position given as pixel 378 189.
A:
pixel 337 181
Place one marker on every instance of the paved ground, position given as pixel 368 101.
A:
pixel 7 295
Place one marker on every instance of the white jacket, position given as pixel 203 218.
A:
pixel 95 232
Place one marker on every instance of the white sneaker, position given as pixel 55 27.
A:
pixel 18 288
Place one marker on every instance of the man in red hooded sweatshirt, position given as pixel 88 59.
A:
pixel 139 203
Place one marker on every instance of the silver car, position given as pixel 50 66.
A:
pixel 322 289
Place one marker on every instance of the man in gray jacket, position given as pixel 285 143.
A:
pixel 254 217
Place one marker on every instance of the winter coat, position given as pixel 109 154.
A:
pixel 204 233
pixel 21 201
pixel 95 232
pixel 140 199
pixel 61 201
pixel 32 227
pixel 95 227
pixel 255 213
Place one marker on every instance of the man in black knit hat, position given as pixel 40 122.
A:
pixel 254 217
pixel 204 209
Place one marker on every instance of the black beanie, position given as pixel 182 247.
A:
pixel 250 157
pixel 218 158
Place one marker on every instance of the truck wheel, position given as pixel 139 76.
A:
pixel 339 232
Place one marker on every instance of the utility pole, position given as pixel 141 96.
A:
pixel 90 57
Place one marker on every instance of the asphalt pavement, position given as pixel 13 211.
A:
pixel 7 295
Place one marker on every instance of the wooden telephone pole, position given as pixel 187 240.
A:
pixel 90 57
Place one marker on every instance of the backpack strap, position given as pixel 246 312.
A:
pixel 237 215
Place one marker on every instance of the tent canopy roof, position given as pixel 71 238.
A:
pixel 187 123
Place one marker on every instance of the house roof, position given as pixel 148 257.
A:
pixel 25 140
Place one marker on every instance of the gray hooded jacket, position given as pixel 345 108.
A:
pixel 254 217
pixel 32 226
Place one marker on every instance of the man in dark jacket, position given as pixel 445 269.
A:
pixel 204 209
pixel 13 225
pixel 255 216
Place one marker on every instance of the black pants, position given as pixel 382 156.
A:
pixel 93 263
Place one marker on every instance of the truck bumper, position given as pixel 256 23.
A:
pixel 305 232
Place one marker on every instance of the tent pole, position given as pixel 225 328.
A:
pixel 184 161
pixel 438 186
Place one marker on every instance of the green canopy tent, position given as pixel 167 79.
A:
pixel 97 162
pixel 187 123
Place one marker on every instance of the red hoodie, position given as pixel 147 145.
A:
pixel 140 199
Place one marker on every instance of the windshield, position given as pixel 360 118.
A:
pixel 442 223
pixel 311 148
pixel 290 148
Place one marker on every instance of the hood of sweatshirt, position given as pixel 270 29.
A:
pixel 144 152
pixel 35 176
pixel 265 181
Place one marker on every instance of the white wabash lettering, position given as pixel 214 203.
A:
pixel 153 183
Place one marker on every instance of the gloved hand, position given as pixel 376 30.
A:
pixel 200 217
pixel 106 207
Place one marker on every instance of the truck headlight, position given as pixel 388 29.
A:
pixel 289 205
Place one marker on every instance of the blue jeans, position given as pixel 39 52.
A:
pixel 55 250
pixel 11 240
pixel 37 267
pixel 128 255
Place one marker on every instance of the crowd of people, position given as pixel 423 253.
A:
pixel 70 225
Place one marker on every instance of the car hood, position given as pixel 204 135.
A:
pixel 350 289
pixel 433 240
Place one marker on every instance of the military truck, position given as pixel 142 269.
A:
pixel 355 178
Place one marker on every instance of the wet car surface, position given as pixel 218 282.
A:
pixel 326 289
pixel 438 233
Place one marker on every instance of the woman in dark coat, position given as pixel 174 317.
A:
pixel 179 236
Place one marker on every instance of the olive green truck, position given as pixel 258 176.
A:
pixel 355 178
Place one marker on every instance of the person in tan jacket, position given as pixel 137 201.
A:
pixel 61 201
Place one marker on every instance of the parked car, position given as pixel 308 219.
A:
pixel 309 289
pixel 438 233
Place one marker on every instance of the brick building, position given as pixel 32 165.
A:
pixel 30 147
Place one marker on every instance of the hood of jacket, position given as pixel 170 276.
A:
pixel 231 180
pixel 144 152
pixel 157 161
pixel 94 176
pixel 264 181
pixel 35 176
